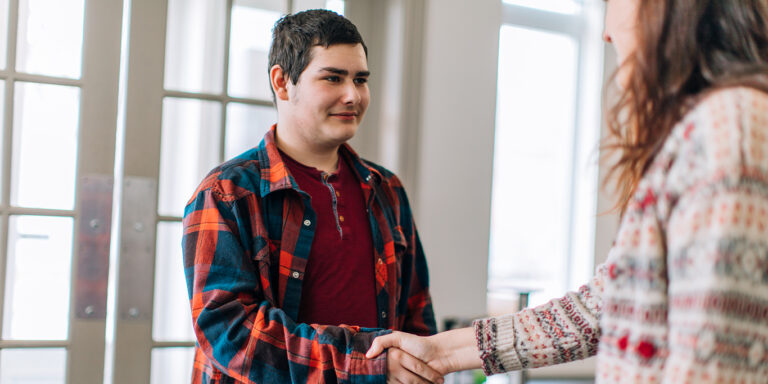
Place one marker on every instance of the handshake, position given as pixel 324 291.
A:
pixel 417 359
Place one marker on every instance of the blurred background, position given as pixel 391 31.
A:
pixel 112 111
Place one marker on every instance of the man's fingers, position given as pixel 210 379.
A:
pixel 420 368
pixel 406 377
pixel 398 373
pixel 381 343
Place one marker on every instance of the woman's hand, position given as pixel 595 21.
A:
pixel 419 347
pixel 445 352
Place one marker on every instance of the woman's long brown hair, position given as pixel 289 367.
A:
pixel 685 49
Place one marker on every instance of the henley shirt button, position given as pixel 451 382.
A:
pixel 368 178
pixel 383 315
pixel 307 223
pixel 295 275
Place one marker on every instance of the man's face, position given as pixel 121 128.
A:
pixel 328 102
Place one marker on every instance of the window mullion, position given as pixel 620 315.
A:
pixel 13 22
pixel 543 20
pixel 99 87
pixel 135 241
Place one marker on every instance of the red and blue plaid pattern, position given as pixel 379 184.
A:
pixel 248 231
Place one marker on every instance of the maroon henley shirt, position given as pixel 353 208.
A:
pixel 339 285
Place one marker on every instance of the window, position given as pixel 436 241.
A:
pixel 60 63
pixel 545 169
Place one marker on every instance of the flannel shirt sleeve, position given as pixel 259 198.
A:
pixel 236 327
pixel 420 317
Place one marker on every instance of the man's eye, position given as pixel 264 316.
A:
pixel 361 80
pixel 334 79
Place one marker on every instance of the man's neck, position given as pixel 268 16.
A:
pixel 326 160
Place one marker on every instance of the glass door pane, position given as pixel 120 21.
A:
pixel 194 49
pixel 250 38
pixel 172 319
pixel 50 37
pixel 246 125
pixel 172 365
pixel 38 278
pixel 33 366
pixel 3 33
pixel 46 120
pixel 189 149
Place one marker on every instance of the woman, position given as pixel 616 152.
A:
pixel 683 295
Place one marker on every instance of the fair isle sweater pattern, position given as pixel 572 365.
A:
pixel 683 294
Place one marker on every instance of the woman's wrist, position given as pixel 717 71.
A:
pixel 457 349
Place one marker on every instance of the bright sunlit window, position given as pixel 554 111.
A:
pixel 545 164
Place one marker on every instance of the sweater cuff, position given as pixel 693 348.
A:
pixel 496 342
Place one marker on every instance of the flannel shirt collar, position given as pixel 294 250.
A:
pixel 275 175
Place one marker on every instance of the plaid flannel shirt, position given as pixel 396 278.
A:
pixel 248 231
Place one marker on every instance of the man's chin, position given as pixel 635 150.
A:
pixel 342 134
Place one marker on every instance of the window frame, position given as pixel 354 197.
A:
pixel 584 240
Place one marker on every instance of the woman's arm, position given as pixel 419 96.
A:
pixel 451 351
pixel 531 338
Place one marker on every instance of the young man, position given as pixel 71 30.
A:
pixel 298 253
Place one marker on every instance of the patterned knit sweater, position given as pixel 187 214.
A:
pixel 683 294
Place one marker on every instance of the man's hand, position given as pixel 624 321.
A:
pixel 402 368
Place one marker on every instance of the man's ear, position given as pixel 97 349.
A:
pixel 279 82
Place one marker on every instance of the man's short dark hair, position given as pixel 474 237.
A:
pixel 294 36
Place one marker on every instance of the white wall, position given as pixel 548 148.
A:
pixel 458 104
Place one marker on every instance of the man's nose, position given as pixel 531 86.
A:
pixel 351 93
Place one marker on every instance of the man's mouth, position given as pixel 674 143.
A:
pixel 345 115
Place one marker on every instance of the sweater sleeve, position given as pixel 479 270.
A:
pixel 562 330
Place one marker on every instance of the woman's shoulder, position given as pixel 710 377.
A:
pixel 726 129
pixel 726 115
